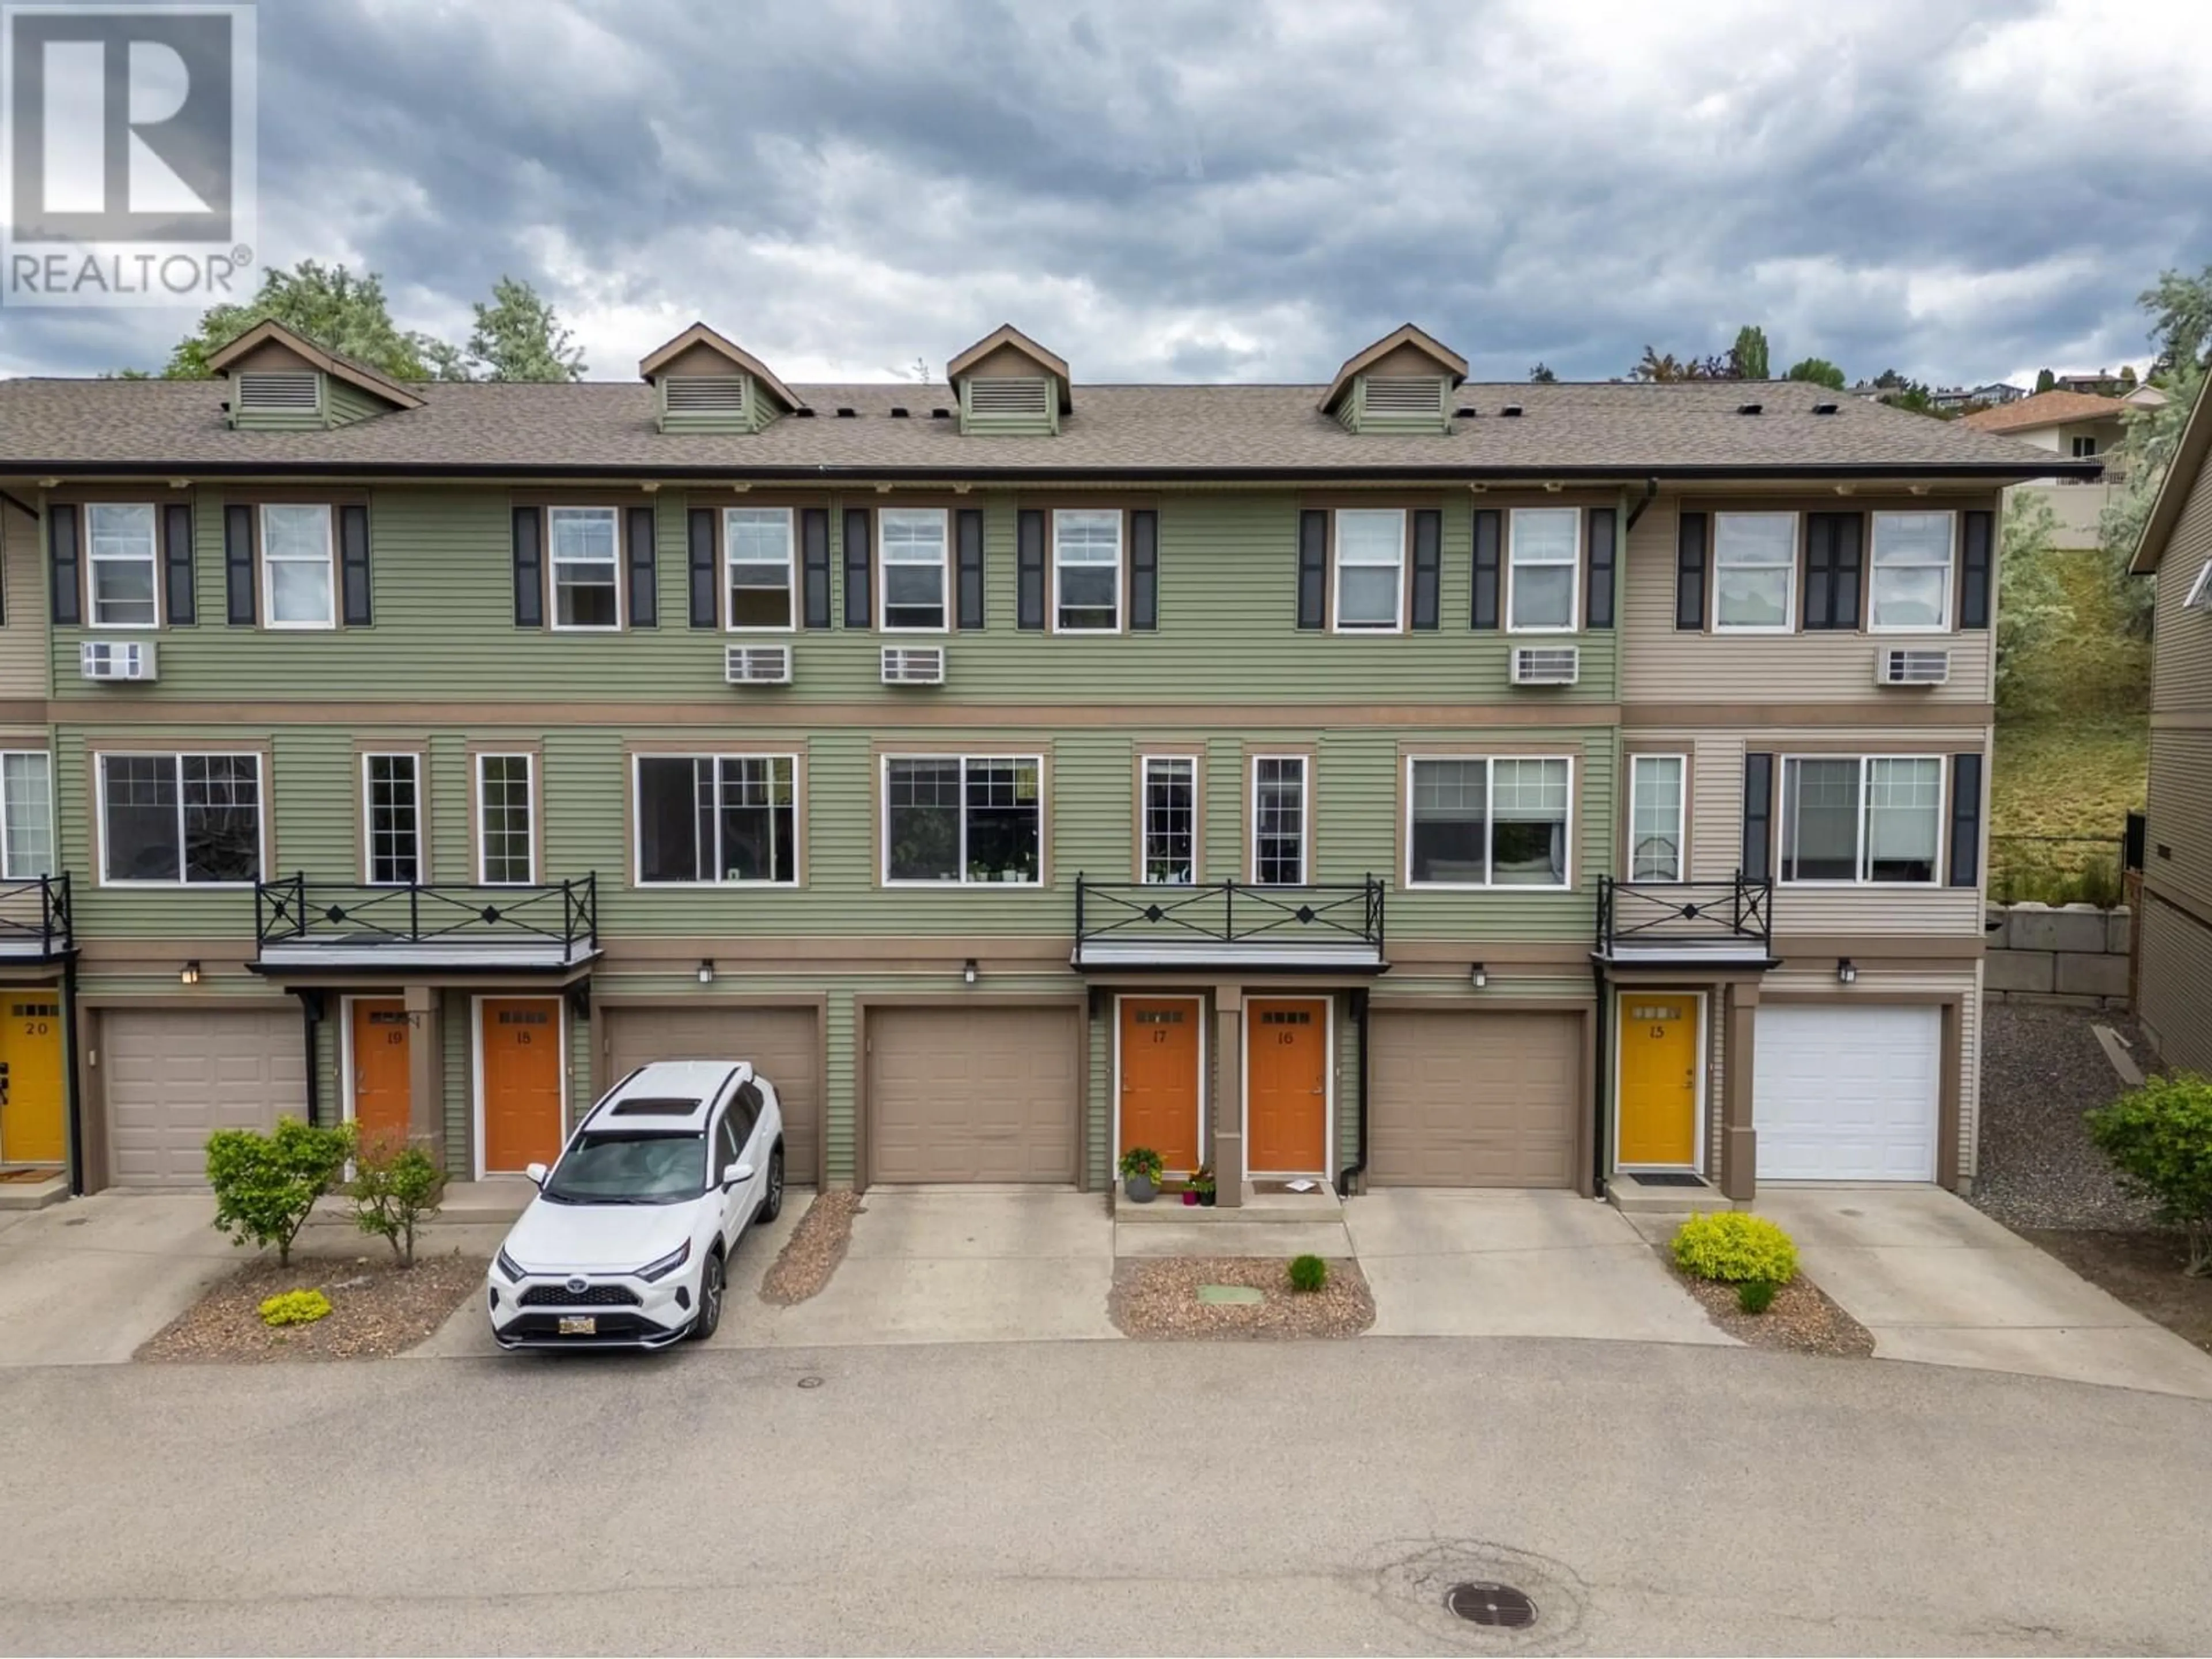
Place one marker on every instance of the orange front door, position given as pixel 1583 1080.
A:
pixel 1160 1078
pixel 521 1040
pixel 380 1092
pixel 1286 1086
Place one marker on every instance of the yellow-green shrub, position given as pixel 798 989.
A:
pixel 296 1308
pixel 1735 1248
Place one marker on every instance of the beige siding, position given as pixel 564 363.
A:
pixel 2177 985
pixel 2181 678
pixel 23 583
pixel 2181 819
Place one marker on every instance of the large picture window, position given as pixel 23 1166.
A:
pixel 391 789
pixel 756 544
pixel 1279 820
pixel 1754 572
pixel 587 546
pixel 1087 571
pixel 26 815
pixel 956 819
pixel 1856 818
pixel 722 818
pixel 507 838
pixel 180 820
pixel 124 566
pixel 1170 818
pixel 1912 580
pixel 1370 569
pixel 913 562
pixel 1654 818
pixel 297 589
pixel 1488 821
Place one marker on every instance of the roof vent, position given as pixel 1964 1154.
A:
pixel 1823 408
pixel 705 394
pixel 1751 409
pixel 802 414
pixel 1512 411
pixel 1009 396
pixel 847 414
pixel 897 413
pixel 280 391
pixel 1464 412
pixel 940 414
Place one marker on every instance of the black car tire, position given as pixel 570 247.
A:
pixel 771 1203
pixel 710 1299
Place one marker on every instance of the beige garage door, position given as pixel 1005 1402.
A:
pixel 1474 1100
pixel 784 1045
pixel 172 1078
pixel 983 1094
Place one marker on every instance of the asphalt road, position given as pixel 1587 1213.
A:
pixel 1316 1499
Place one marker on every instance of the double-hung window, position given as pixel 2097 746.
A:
pixel 1543 569
pixel 717 819
pixel 507 837
pixel 586 547
pixel 1087 571
pixel 124 566
pixel 914 546
pixel 26 815
pixel 180 820
pixel 1871 819
pixel 1911 578
pixel 1170 819
pixel 392 803
pixel 756 545
pixel 298 590
pixel 1654 818
pixel 1754 572
pixel 1279 820
pixel 953 818
pixel 1370 570
pixel 1488 821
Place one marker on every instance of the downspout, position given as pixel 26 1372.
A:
pixel 1357 1167
pixel 1651 493
pixel 311 1009
pixel 76 1080
pixel 1597 1084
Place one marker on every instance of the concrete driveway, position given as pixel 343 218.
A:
pixel 1464 1263
pixel 85 1283
pixel 1937 1281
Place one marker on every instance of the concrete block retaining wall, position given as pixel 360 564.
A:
pixel 2074 954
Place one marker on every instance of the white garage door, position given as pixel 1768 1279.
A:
pixel 1847 1094
pixel 173 1077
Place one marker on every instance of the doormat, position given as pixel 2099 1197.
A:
pixel 38 1173
pixel 1667 1179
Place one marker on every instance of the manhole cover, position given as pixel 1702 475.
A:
pixel 1498 1605
pixel 1231 1296
pixel 810 1382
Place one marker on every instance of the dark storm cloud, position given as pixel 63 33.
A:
pixel 1190 190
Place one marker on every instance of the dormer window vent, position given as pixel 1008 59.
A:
pixel 898 412
pixel 281 392
pixel 940 414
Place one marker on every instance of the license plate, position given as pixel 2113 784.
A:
pixel 579 1324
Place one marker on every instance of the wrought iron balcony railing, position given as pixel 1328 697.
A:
pixel 34 918
pixel 1141 924
pixel 549 924
pixel 1684 918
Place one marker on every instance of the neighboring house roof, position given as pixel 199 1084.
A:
pixel 349 369
pixel 2174 489
pixel 1625 430
pixel 2045 409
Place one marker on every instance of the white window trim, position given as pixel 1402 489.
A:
pixel 92 558
pixel 53 858
pixel 482 817
pixel 2200 591
pixel 176 758
pixel 1681 819
pixel 369 819
pixel 1120 571
pixel 1861 859
pixel 1197 816
pixel 1874 576
pixel 962 884
pixel 268 576
pixel 791 572
pixel 1305 820
pixel 1575 566
pixel 637 806
pixel 1489 821
pixel 554 562
pixel 944 578
pixel 1789 598
pixel 1336 622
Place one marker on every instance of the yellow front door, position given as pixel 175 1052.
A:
pixel 1658 1080
pixel 32 1109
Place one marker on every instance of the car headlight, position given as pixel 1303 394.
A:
pixel 509 1266
pixel 667 1264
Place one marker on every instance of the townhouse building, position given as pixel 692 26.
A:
pixel 1402 781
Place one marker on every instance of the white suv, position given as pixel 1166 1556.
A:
pixel 624 1245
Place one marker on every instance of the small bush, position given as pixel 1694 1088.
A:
pixel 265 1186
pixel 395 1189
pixel 1143 1161
pixel 1309 1274
pixel 1755 1296
pixel 1732 1246
pixel 296 1308
pixel 2159 1139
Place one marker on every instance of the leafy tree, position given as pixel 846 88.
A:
pixel 330 305
pixel 395 1188
pixel 2037 612
pixel 2046 378
pixel 2159 1138
pixel 1541 375
pixel 1747 357
pixel 1658 366
pixel 2181 320
pixel 1819 371
pixel 265 1186
pixel 2148 439
pixel 518 336
pixel 2128 376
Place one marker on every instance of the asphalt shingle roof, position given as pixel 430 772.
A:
pixel 2044 409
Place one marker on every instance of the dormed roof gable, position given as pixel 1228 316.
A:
pixel 1406 338
pixel 702 338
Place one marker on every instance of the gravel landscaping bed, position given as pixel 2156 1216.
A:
pixel 2042 1069
pixel 2143 1269
pixel 377 1309
pixel 814 1248
pixel 1157 1298
pixel 1801 1319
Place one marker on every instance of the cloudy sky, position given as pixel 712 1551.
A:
pixel 1184 189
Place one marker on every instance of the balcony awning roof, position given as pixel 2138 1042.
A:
pixel 1691 953
pixel 1189 953
pixel 34 947
pixel 366 952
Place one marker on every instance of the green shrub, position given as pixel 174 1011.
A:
pixel 1755 1296
pixel 394 1189
pixel 296 1308
pixel 1309 1274
pixel 265 1186
pixel 1732 1246
pixel 2159 1139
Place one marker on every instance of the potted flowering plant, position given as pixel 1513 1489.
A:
pixel 1141 1170
pixel 1202 1183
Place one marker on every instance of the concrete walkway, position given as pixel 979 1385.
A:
pixel 85 1283
pixel 1937 1281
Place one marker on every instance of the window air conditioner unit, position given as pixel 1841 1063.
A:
pixel 1545 664
pixel 757 665
pixel 1912 667
pixel 914 665
pixel 116 659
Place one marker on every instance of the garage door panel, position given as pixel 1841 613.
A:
pixel 1474 1100
pixel 783 1043
pixel 975 1094
pixel 1847 1094
pixel 174 1076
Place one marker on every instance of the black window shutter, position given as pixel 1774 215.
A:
pixel 700 562
pixel 814 543
pixel 1145 570
pixel 969 521
pixel 1488 531
pixel 1428 564
pixel 1817 608
pixel 639 534
pixel 529 567
pixel 1966 820
pixel 1690 574
pixel 66 603
pixel 1850 540
pixel 1029 569
pixel 858 563
pixel 238 564
pixel 353 565
pixel 177 563
pixel 1313 568
pixel 1602 520
pixel 1758 816
pixel 1974 576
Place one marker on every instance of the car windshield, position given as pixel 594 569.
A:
pixel 631 1166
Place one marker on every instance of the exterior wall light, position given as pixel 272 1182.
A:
pixel 968 971
pixel 706 970
pixel 1845 972
pixel 1478 975
pixel 190 974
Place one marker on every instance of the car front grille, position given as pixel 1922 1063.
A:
pixel 591 1296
